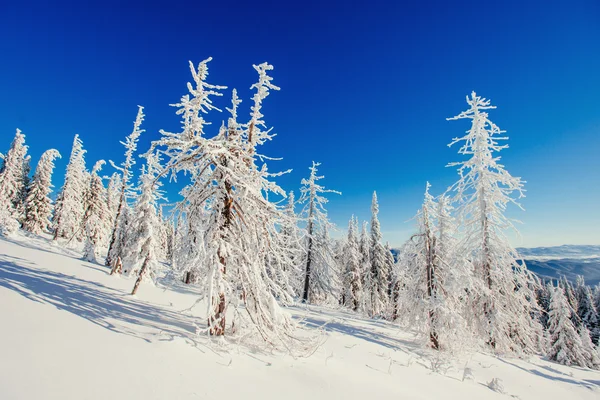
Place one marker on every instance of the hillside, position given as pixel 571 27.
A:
pixel 71 331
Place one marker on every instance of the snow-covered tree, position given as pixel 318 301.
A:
pixel 70 204
pixel 352 288
pixel 12 184
pixel 434 281
pixel 228 201
pixel 543 294
pixel 96 216
pixel 312 196
pixel 22 196
pixel 115 246
pixel 113 194
pixel 141 250
pixel 292 241
pixel 368 296
pixel 565 345
pixel 569 292
pixel 591 352
pixel 586 309
pixel 38 205
pixel 502 291
pixel 380 272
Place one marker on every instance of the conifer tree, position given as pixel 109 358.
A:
pixel 434 281
pixel 227 200
pixel 352 268
pixel 390 262
pixel 292 239
pixel 96 216
pixel 312 196
pixel 380 273
pixel 12 184
pixel 368 295
pixel 565 345
pixel 141 251
pixel 502 306
pixel 586 309
pixel 115 246
pixel 112 196
pixel 38 205
pixel 70 204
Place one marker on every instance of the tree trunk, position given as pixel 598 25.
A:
pixel 141 275
pixel 113 236
pixel 217 322
pixel 309 251
pixel 117 267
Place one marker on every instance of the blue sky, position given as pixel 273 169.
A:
pixel 365 89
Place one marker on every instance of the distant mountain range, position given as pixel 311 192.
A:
pixel 567 260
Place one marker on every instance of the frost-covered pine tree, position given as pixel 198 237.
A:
pixel 117 239
pixel 565 345
pixel 228 202
pixel 140 254
pixel 586 309
pixel 96 216
pixel 70 204
pixel 380 272
pixel 292 241
pixel 367 283
pixel 543 299
pixel 389 262
pixel 38 205
pixel 22 197
pixel 591 352
pixel 312 196
pixel 569 291
pixel 502 305
pixel 12 184
pixel 352 289
pixel 434 282
pixel 113 192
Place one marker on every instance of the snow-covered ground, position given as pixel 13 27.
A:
pixel 68 330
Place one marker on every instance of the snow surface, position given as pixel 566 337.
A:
pixel 71 331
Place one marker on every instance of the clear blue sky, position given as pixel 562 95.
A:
pixel 366 87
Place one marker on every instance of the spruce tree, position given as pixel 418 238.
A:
pixel 380 273
pixel 38 205
pixel 70 204
pixel 352 290
pixel 12 184
pixel 96 215
pixel 141 251
pixel 565 345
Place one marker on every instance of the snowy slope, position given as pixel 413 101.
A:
pixel 71 331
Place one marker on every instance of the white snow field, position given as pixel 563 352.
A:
pixel 68 330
